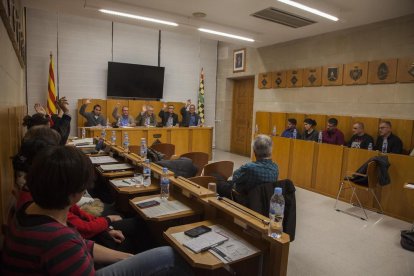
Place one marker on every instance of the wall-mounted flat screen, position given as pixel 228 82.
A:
pixel 127 80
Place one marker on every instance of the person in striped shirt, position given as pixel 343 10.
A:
pixel 40 241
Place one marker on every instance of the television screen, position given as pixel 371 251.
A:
pixel 135 81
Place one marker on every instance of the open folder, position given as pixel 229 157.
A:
pixel 205 242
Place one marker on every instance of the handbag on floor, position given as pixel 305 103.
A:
pixel 407 239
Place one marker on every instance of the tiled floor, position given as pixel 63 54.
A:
pixel 332 243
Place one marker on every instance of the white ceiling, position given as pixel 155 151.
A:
pixel 233 16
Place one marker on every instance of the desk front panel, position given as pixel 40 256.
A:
pixel 302 156
pixel 180 137
pixel 280 155
pixel 201 139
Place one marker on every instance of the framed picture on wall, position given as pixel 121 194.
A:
pixel 239 60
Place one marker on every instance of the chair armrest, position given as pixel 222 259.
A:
pixel 350 174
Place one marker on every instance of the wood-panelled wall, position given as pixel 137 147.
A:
pixel 400 127
pixel 135 107
pixel 11 134
pixel 320 168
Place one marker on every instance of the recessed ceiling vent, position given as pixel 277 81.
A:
pixel 283 17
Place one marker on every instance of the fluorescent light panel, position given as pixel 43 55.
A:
pixel 226 34
pixel 309 9
pixel 128 15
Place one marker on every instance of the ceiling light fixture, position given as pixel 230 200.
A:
pixel 226 34
pixel 128 15
pixel 309 9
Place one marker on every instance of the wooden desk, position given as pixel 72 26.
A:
pixel 302 159
pixel 185 139
pixel 206 260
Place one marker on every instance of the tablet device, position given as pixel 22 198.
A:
pixel 197 231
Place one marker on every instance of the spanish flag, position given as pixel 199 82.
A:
pixel 51 95
pixel 201 98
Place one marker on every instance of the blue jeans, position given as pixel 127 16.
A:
pixel 157 261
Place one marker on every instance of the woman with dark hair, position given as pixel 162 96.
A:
pixel 310 134
pixel 41 241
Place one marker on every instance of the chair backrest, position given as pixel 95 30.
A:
pixel 200 159
pixel 203 180
pixel 372 174
pixel 222 168
pixel 167 149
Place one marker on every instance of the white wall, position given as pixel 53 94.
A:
pixel 83 46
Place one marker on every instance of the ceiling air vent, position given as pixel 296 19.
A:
pixel 283 17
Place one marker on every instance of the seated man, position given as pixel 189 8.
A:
pixel 252 174
pixel 190 117
pixel 146 117
pixel 125 119
pixel 332 135
pixel 290 131
pixel 393 143
pixel 40 240
pixel 360 139
pixel 168 117
pixel 93 118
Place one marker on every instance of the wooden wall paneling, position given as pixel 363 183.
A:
pixel 344 124
pixel 294 78
pixel 332 74
pixel 404 130
pixel 396 200
pixel 301 168
pixel 112 103
pixel 328 169
pixel 370 125
pixel 278 120
pixel 135 107
pixel 81 121
pixel 264 81
pixel 412 141
pixel 353 159
pixel 299 118
pixel 320 121
pixel 279 79
pixel 181 140
pixel 263 122
pixel 281 155
pixel 405 71
pixel 6 175
pixel 382 71
pixel 356 73
pixel 312 76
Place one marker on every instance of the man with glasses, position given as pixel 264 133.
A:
pixel 124 120
pixel 332 135
pixel 190 117
pixel 168 117
pixel 387 142
pixel 93 118
pixel 360 139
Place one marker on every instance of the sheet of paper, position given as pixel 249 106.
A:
pixel 166 207
pixel 116 167
pixel 127 182
pixel 102 159
pixel 82 141
pixel 205 241
pixel 235 248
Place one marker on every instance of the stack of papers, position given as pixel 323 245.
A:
pixel 82 142
pixel 205 241
pixel 116 167
pixel 102 159
pixel 166 207
pixel 127 182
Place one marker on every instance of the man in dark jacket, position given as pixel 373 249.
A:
pixel 190 117
pixel 360 139
pixel 168 117
pixel 387 141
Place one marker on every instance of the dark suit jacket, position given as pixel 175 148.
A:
pixel 164 117
pixel 186 117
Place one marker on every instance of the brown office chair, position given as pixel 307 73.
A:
pixel 165 148
pixel 222 168
pixel 203 180
pixel 347 183
pixel 200 159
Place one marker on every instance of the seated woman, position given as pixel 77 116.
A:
pixel 111 231
pixel 41 241
pixel 310 134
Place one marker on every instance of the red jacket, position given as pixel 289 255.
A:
pixel 86 224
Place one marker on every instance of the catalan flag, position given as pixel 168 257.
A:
pixel 51 95
pixel 201 97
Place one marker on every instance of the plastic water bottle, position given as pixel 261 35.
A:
pixel 384 145
pixel 83 133
pixel 370 146
pixel 274 131
pixel 165 184
pixel 256 129
pixel 108 123
pixel 103 134
pixel 295 134
pixel 113 137
pixel 126 142
pixel 119 122
pixel 199 122
pixel 276 211
pixel 146 172
pixel 320 137
pixel 143 148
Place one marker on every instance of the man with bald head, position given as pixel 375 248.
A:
pixel 360 139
